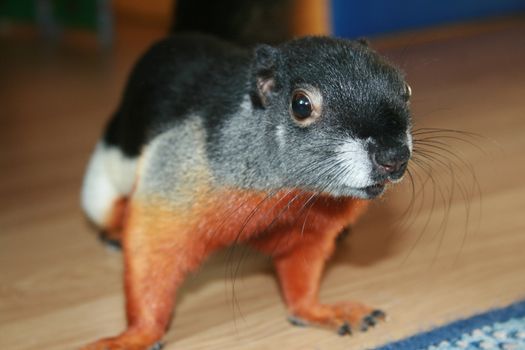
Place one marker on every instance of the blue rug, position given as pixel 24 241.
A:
pixel 501 329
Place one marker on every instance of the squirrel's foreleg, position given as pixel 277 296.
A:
pixel 300 253
pixel 159 251
pixel 299 273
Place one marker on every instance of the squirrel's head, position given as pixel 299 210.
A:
pixel 338 112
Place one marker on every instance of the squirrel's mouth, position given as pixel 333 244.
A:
pixel 368 192
pixel 375 190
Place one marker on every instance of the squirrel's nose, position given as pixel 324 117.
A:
pixel 392 161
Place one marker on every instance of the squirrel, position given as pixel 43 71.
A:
pixel 277 147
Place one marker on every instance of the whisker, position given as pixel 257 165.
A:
pixel 466 193
pixel 234 246
pixel 440 137
pixel 423 131
pixel 427 169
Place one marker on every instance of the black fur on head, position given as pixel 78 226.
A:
pixel 362 121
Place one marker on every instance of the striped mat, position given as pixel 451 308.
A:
pixel 501 329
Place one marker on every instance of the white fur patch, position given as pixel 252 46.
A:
pixel 280 134
pixel 246 104
pixel 410 142
pixel 357 163
pixel 109 176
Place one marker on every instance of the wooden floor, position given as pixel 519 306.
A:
pixel 460 250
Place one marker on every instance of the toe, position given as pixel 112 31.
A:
pixel 378 314
pixel 296 321
pixel 156 346
pixel 369 320
pixel 344 329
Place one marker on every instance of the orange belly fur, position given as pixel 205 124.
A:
pixel 163 242
pixel 232 216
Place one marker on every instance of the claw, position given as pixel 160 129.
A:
pixel 344 329
pixel 296 321
pixel 378 314
pixel 369 320
pixel 156 346
pixel 111 244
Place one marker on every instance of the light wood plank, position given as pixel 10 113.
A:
pixel 60 288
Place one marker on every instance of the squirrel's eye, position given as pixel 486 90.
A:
pixel 306 106
pixel 301 106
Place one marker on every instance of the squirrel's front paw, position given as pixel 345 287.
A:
pixel 344 317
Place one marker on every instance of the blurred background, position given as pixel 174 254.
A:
pixel 242 21
pixel 445 244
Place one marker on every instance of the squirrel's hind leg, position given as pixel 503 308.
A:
pixel 111 233
pixel 108 182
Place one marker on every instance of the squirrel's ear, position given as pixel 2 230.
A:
pixel 263 74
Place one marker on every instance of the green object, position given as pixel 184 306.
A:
pixel 21 10
pixel 76 13
pixel 67 13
